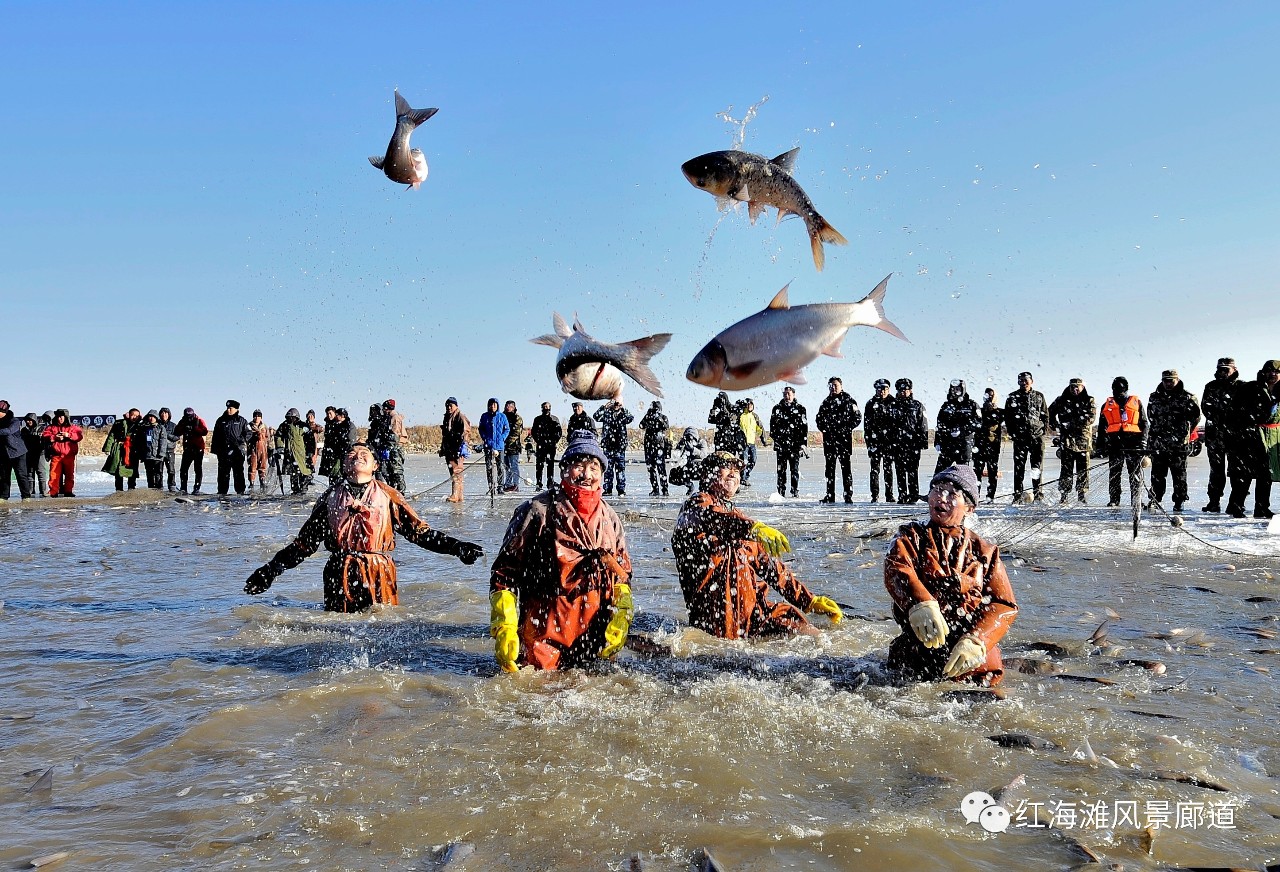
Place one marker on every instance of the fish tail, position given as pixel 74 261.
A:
pixel 417 116
pixel 819 232
pixel 869 311
pixel 635 362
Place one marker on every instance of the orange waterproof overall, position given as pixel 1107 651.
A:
pixel 562 567
pixel 726 574
pixel 357 525
pixel 966 576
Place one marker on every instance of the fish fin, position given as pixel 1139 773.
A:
pixel 577 326
pixel 555 340
pixel 779 300
pixel 793 378
pixel 787 160
pixel 754 208
pixel 561 326
pixel 875 299
pixel 417 116
pixel 743 370
pixel 819 232
pixel 376 160
pixel 636 357
pixel 741 194
pixel 833 350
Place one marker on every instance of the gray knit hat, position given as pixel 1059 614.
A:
pixel 963 478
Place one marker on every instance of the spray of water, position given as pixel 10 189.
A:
pixel 740 125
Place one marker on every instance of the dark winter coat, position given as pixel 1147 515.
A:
pixel 655 425
pixel 986 443
pixel 546 432
pixel 728 436
pixel 789 427
pixel 1073 416
pixel 453 435
pixel 614 418
pixel 1173 413
pixel 515 439
pixel 230 435
pixel 1222 420
pixel 580 421
pixel 958 421
pixel 837 418
pixel 879 426
pixel 191 430
pixel 912 429
pixel 11 435
pixel 1026 415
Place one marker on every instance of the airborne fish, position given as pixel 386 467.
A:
pixel 592 370
pixel 757 181
pixel 402 164
pixel 775 344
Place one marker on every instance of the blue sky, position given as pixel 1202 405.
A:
pixel 1075 189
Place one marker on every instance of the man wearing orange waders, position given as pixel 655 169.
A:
pixel 357 519
pixel 951 596
pixel 727 563
pixel 560 589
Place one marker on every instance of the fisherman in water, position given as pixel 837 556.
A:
pixel 357 519
pixel 727 562
pixel 951 596
pixel 564 558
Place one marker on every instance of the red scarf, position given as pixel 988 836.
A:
pixel 583 501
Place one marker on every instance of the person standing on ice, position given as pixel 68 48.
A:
pixel 1026 415
pixel 951 595
pixel 1121 436
pixel 911 438
pixel 1174 413
pixel 789 430
pixel 560 586
pixel 1072 415
pixel 988 441
pixel 356 520
pixel 727 562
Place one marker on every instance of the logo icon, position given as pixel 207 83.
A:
pixel 980 808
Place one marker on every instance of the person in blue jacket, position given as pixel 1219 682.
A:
pixel 494 429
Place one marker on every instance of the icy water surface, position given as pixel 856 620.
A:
pixel 190 726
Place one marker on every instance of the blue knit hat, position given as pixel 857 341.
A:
pixel 961 477
pixel 583 442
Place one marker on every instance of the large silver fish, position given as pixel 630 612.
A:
pixel 776 344
pixel 403 164
pixel 757 181
pixel 592 370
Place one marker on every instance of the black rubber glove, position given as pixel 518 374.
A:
pixel 261 579
pixel 469 552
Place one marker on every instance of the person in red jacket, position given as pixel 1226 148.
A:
pixel 192 430
pixel 63 439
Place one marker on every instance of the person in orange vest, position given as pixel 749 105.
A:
pixel 1121 435
pixel 356 520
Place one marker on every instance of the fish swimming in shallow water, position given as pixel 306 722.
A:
pixel 778 342
pixel 592 370
pixel 403 164
pixel 740 176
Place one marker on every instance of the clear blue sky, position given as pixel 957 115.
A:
pixel 188 213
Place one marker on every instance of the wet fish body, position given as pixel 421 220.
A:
pixel 403 164
pixel 740 176
pixel 777 343
pixel 1024 741
pixel 592 370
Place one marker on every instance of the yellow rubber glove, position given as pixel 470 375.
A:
pixel 502 627
pixel 826 606
pixel 615 635
pixel 927 623
pixel 773 541
pixel 966 655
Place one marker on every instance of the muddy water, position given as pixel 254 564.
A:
pixel 190 726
